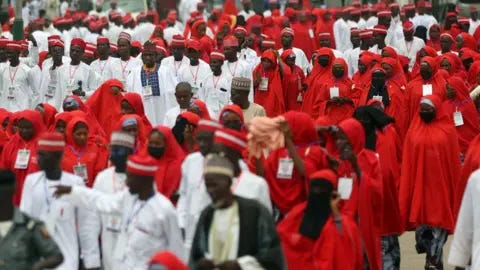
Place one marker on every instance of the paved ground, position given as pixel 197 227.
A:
pixel 411 260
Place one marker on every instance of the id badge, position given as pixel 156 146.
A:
pixel 379 98
pixel 310 32
pixel 23 157
pixel 80 170
pixel 11 92
pixel 51 91
pixel 285 168
pixel 195 90
pixel 147 91
pixel 263 84
pixel 458 119
pixel 427 90
pixel 334 92
pixel 345 185
pixel 300 98
pixel 71 84
pixel 114 223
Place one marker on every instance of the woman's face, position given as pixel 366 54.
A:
pixel 445 65
pixel 80 134
pixel 61 126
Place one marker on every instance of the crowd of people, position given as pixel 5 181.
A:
pixel 298 138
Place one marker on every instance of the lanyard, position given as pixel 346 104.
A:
pixel 132 216
pixel 177 68
pixel 459 104
pixel 216 83
pixel 234 69
pixel 114 183
pixel 102 68
pixel 76 153
pixel 12 78
pixel 407 47
pixel 72 74
pixel 124 66
pixel 196 74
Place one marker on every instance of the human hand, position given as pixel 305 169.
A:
pixel 62 190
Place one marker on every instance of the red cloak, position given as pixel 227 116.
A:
pixel 135 100
pixel 430 171
pixel 141 136
pixel 16 143
pixel 293 87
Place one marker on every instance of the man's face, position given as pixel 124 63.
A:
pixel 134 183
pixel 177 51
pixel 218 187
pixel 287 40
pixel 474 15
pixel 395 11
pixel 240 36
pixel 230 51
pixel 49 160
pixel 216 65
pixel 148 58
pixel 76 53
pixel 57 53
pixel 13 55
pixel 183 97
pixel 379 38
pixel 385 21
pixel 204 140
pixel 123 47
pixel 193 54
pixel 445 43
pixel 103 48
pixel 236 96
pixel 25 129
pixel 355 39
pixel 325 42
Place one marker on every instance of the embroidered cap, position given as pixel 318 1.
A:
pixel 51 142
pixel 101 39
pixel 217 55
pixel 14 46
pixel 79 42
pixel 240 29
pixel 122 138
pixel 230 41
pixel 208 125
pixel 124 35
pixel 408 26
pixel 287 31
pixel 231 138
pixel 216 164
pixel 143 165
pixel 193 44
pixel 243 84
pixel 177 40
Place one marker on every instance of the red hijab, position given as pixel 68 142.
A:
pixel 430 171
pixel 397 77
pixel 272 99
pixel 473 73
pixel 48 112
pixel 104 98
pixel 464 104
pixel 362 80
pixel 16 143
pixel 141 138
pixel 167 178
pixel 63 116
pixel 416 67
pixel 204 114
pixel 468 41
pixel 434 43
pixel 135 100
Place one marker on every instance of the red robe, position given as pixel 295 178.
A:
pixel 16 143
pixel 167 178
pixel 302 39
pixel 430 171
pixel 93 156
pixel 287 193
pixel 273 98
pixel 48 113
pixel 336 113
pixel 331 250
pixel 324 26
pixel 104 98
pixel 294 88
pixel 135 100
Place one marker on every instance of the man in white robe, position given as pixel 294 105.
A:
pixel 301 60
pixel 325 40
pixel 113 32
pixel 147 81
pixel 411 44
pixel 112 181
pixel 215 88
pixel 247 11
pixel 171 29
pixel 102 66
pixel 123 66
pixel 144 30
pixel 69 225
pixel 341 33
pixel 465 247
pixel 48 63
pixel 149 221
pixel 197 70
pixel 17 82
pixel 474 22
pixel 422 18
pixel 183 95
pixel 172 64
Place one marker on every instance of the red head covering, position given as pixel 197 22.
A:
pixel 167 177
pixel 194 32
pixel 354 131
pixel 168 260
pixel 469 41
pixel 51 142
pixel 71 129
pixel 135 100
pixel 63 116
pixel 192 118
pixel 142 165
pixel 79 42
pixel 233 139
pixel 204 114
pixel 272 99
pixel 141 138
pixel 231 108
pixel 208 125
pixel 326 174
pixel 303 128
pixel 35 118
pixel 49 113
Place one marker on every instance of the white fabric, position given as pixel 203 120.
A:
pixel 466 239
pixel 371 22
pixel 22 78
pixel 143 31
pixel 66 74
pixel 250 56
pixel 185 7
pixel 67 40
pixel 147 226
pixel 112 33
pixel 351 57
pixel 394 34
pixel 194 75
pixel 241 69
pixel 121 69
pixel 473 26
pixel 301 59
pixel 48 63
pixel 42 40
pixel 246 15
pixel 155 106
pixel 211 93
pixel 225 225
pixel 169 32
pixel 171 116
pixel 103 68
pixel 362 24
pixel 68 225
pixel 341 33
pixel 108 182
pixel 423 20
pixel 410 49
pixel 5 227
pixel 91 38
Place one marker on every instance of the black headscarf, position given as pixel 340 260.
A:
pixel 318 208
pixel 372 119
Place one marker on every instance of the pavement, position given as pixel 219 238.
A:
pixel 410 260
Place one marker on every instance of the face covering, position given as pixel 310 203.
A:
pixel 318 209
pixel 378 83
pixel 235 125
pixel 338 73
pixel 425 74
pixel 427 117
pixel 156 152
pixel 323 61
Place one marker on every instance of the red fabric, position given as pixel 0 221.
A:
pixel 430 171
pixel 464 104
pixel 302 38
pixel 287 193
pixel 63 116
pixel 93 156
pixel 456 65
pixel 167 177
pixel 272 99
pixel 41 57
pixel 397 76
pixel 135 100
pixel 416 67
pixel 469 41
pixel 84 111
pixel 206 43
pixel 362 80
pixel 104 98
pixel 370 192
pixel 324 26
pixel 229 8
pixel 233 108
pixel 204 114
pixel 415 88
pixel 332 250
pixel 344 85
pixel 293 88
pixel 48 115
pixel 141 138
pixel 336 113
pixel 314 83
pixel 389 149
pixel 473 73
pixel 10 150
pixel 168 260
